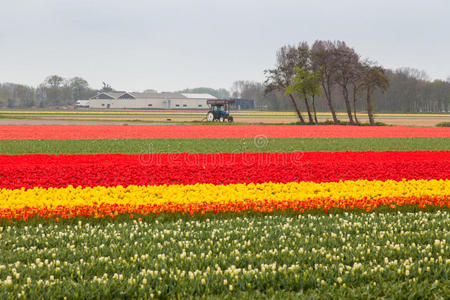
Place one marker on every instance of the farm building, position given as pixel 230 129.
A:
pixel 133 100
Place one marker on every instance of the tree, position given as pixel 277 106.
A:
pixel 313 86
pixel 303 69
pixel 357 84
pixel 16 95
pixel 305 85
pixel 275 82
pixel 57 91
pixel 414 73
pixel 347 63
pixel 279 78
pixel 440 95
pixel 53 92
pixel 79 88
pixel 247 89
pixel 41 95
pixel 5 94
pixel 324 60
pixel 53 96
pixel 23 96
pixel 106 88
pixel 374 78
pixel 54 81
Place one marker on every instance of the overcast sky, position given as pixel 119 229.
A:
pixel 169 45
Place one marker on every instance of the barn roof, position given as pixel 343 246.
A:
pixel 137 95
pixel 113 95
pixel 198 96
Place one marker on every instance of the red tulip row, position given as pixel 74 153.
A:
pixel 63 132
pixel 223 168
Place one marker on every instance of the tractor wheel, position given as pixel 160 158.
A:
pixel 210 117
pixel 221 119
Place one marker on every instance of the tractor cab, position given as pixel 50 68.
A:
pixel 219 110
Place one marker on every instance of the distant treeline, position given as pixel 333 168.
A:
pixel 55 91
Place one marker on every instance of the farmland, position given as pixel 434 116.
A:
pixel 242 211
pixel 186 116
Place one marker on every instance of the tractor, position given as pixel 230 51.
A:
pixel 219 110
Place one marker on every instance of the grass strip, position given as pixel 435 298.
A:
pixel 232 145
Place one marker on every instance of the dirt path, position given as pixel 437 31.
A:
pixel 74 122
pixel 178 117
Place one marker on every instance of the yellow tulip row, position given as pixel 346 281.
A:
pixel 209 193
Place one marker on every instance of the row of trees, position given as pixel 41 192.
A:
pixel 57 91
pixel 330 76
pixel 304 72
pixel 54 91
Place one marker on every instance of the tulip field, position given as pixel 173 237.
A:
pixel 238 211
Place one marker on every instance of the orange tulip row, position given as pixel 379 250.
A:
pixel 107 210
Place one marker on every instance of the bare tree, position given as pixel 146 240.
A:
pixel 239 87
pixel 374 78
pixel 281 77
pixel 347 63
pixel 357 85
pixel 303 73
pixel 414 73
pixel 324 60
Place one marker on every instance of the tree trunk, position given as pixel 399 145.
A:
pixel 327 91
pixel 370 107
pixel 314 108
pixel 354 105
pixel 299 114
pixel 347 104
pixel 310 117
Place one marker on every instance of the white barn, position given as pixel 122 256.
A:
pixel 115 100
